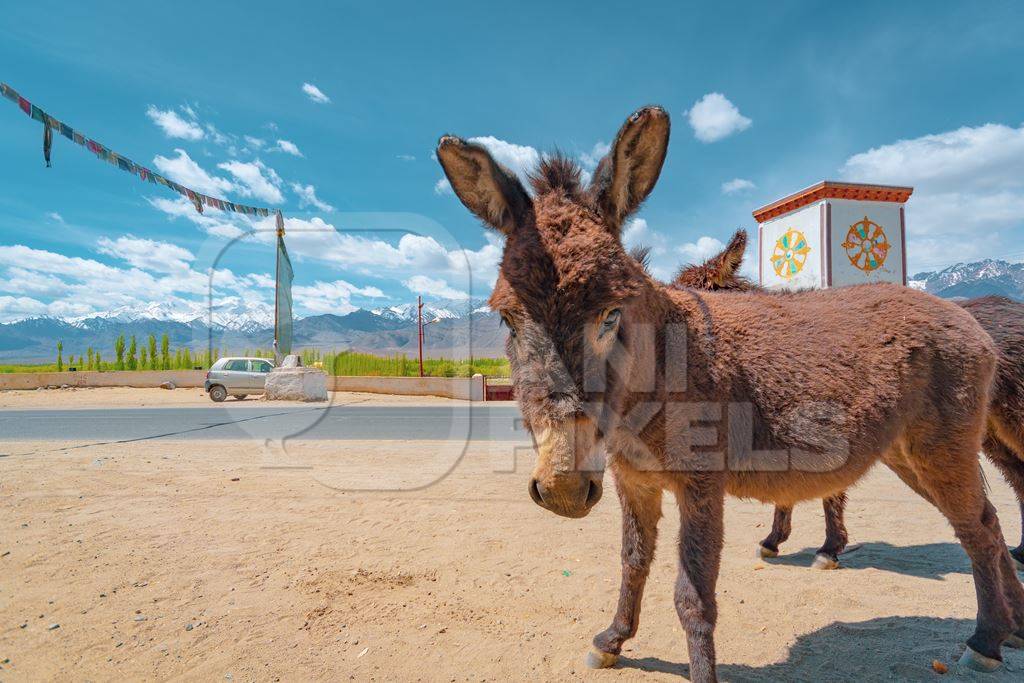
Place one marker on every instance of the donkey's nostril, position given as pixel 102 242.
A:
pixel 594 493
pixel 535 492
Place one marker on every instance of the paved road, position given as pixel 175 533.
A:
pixel 478 423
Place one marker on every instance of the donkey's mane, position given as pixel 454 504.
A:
pixel 557 172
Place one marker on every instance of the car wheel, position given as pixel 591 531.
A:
pixel 241 397
pixel 218 393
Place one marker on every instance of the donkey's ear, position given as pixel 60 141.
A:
pixel 487 189
pixel 726 263
pixel 627 175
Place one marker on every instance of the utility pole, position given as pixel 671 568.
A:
pixel 419 325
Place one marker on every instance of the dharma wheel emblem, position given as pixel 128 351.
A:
pixel 790 254
pixel 866 245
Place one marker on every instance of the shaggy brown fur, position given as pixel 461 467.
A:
pixel 1002 318
pixel 704 393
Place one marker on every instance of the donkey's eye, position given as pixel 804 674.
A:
pixel 506 323
pixel 611 320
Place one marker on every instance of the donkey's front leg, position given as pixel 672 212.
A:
pixel 701 508
pixel 641 510
pixel 782 526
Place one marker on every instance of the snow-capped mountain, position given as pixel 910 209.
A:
pixel 969 280
pixel 231 314
pixel 407 312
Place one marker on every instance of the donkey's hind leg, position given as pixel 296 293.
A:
pixel 955 487
pixel 782 526
pixel 641 510
pixel 1011 465
pixel 836 537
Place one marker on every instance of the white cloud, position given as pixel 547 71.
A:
pixel 218 137
pixel 160 257
pixel 356 253
pixel 184 170
pixel 520 159
pixel 968 191
pixel 443 186
pixel 315 94
pixel 254 143
pixel 19 307
pixel 405 157
pixel 590 160
pixel 704 248
pixel 54 216
pixel 212 221
pixel 173 125
pixel 157 272
pixel 331 297
pixel 255 180
pixel 737 185
pixel 637 233
pixel 421 284
pixel 28 281
pixel 307 197
pixel 714 117
pixel 261 280
pixel 287 147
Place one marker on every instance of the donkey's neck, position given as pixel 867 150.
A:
pixel 710 367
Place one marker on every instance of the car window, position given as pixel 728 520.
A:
pixel 236 366
pixel 260 366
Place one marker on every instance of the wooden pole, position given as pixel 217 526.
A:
pixel 277 284
pixel 419 324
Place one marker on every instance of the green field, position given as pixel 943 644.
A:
pixel 346 363
pixel 351 363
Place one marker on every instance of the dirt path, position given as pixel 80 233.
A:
pixel 180 560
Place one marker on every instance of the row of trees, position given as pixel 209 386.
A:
pixel 130 355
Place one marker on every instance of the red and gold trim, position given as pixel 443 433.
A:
pixel 828 189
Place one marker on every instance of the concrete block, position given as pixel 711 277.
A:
pixel 296 384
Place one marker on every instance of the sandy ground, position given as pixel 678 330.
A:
pixel 125 397
pixel 217 561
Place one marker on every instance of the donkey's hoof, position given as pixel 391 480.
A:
pixel 975 661
pixel 763 552
pixel 823 561
pixel 1014 641
pixel 596 659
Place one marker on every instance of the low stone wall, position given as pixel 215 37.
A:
pixel 465 388
pixel 139 379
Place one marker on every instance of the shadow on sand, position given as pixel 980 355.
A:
pixel 927 561
pixel 890 648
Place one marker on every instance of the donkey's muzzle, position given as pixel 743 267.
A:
pixel 573 499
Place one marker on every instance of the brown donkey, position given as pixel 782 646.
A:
pixel 706 393
pixel 1002 318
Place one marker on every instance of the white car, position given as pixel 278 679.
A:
pixel 237 377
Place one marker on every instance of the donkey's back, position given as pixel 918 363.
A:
pixel 863 366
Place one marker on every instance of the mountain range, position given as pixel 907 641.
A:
pixel 970 280
pixel 455 331
pixel 391 330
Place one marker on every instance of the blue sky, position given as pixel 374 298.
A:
pixel 764 101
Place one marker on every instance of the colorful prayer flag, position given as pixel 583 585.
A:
pixel 125 164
